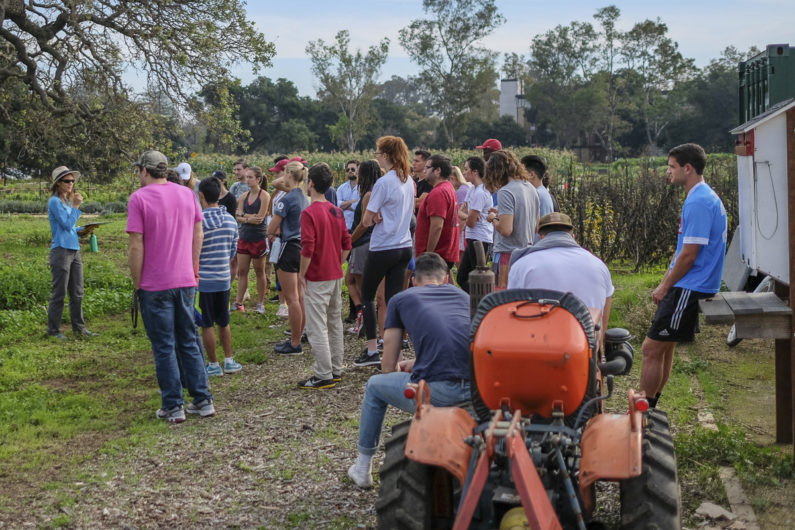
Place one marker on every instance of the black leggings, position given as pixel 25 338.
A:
pixel 390 264
pixel 468 263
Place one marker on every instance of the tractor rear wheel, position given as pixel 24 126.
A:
pixel 413 496
pixel 651 500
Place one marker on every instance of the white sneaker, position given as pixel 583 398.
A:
pixel 283 311
pixel 260 308
pixel 358 327
pixel 361 476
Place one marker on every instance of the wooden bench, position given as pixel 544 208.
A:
pixel 763 316
pixel 754 315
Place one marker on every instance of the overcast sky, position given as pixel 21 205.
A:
pixel 703 28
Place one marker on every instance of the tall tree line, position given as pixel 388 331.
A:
pixel 64 99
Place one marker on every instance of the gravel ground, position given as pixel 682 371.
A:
pixel 274 456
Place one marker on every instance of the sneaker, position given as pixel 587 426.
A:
pixel 172 415
pixel 231 366
pixel 214 370
pixel 361 476
pixel 380 344
pixel 203 408
pixel 58 336
pixel 365 359
pixel 336 377
pixel 238 307
pixel 287 348
pixel 315 383
pixel 85 333
pixel 246 295
pixel 283 311
pixel 358 327
pixel 260 308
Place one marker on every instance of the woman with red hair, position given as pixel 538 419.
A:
pixel 390 209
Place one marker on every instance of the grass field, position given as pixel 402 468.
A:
pixel 80 447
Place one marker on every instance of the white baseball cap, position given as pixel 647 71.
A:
pixel 184 170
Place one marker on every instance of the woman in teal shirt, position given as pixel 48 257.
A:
pixel 65 262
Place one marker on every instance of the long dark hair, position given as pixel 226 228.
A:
pixel 369 172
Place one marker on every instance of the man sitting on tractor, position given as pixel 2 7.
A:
pixel 557 262
pixel 436 317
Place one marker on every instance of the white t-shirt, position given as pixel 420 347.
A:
pixel 394 200
pixel 565 269
pixel 479 198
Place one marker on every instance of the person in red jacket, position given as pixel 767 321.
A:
pixel 325 245
pixel 437 219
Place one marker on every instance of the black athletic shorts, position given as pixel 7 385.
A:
pixel 676 319
pixel 290 261
pixel 214 308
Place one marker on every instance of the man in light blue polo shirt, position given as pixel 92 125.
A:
pixel 695 271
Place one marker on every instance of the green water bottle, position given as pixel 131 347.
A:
pixel 92 241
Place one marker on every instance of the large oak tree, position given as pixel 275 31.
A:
pixel 50 48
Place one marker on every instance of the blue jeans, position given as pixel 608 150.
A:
pixel 168 319
pixel 387 389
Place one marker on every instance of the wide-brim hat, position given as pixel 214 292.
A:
pixel 61 171
pixel 557 220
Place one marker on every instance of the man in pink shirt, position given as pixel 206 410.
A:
pixel 164 221
pixel 325 244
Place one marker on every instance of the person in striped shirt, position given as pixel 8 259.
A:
pixel 215 279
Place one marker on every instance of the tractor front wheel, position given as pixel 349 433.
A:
pixel 651 500
pixel 413 496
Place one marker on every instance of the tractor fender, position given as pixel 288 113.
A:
pixel 611 450
pixel 437 437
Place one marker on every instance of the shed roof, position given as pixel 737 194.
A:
pixel 772 112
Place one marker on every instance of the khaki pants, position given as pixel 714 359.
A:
pixel 323 303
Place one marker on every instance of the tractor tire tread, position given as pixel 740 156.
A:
pixel 652 499
pixel 400 498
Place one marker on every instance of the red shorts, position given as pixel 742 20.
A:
pixel 501 265
pixel 255 249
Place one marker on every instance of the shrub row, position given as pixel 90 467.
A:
pixel 40 207
pixel 629 213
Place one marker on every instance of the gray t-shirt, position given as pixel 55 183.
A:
pixel 289 207
pixel 520 199
pixel 238 189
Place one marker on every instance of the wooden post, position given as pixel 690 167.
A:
pixel 789 372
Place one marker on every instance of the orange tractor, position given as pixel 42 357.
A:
pixel 529 449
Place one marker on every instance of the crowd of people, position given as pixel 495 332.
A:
pixel 402 224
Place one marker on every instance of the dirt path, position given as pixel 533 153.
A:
pixel 274 457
